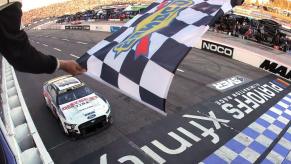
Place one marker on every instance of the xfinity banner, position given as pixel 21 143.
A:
pixel 195 133
pixel 217 48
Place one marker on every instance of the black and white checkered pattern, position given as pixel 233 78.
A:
pixel 148 78
pixel 249 145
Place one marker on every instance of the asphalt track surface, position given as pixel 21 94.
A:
pixel 189 87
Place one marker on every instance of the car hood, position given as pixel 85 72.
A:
pixel 84 109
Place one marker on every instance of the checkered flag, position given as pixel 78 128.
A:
pixel 141 58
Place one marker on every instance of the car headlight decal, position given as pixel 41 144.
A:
pixel 70 126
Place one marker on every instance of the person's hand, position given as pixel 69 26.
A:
pixel 71 67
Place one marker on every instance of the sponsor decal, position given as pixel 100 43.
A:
pixel 86 27
pixel 166 12
pixel 79 103
pixel 91 116
pixel 90 113
pixel 276 69
pixel 66 82
pixel 217 48
pixel 243 102
pixel 82 27
pixel 101 28
pixel 206 127
pixel 229 83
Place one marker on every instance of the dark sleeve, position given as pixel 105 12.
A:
pixel 15 46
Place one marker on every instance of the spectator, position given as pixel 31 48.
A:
pixel 262 32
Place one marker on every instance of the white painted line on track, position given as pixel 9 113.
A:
pixel 37 42
pixel 82 43
pixel 180 70
pixel 74 56
pixel 58 145
pixel 45 45
pixel 66 39
pixel 57 49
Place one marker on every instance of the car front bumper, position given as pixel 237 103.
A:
pixel 91 126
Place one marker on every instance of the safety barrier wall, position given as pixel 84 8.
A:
pixel 102 28
pixel 257 55
pixel 17 126
pixel 85 27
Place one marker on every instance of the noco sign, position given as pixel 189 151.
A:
pixel 217 48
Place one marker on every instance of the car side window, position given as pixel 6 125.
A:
pixel 52 93
pixel 49 89
pixel 54 96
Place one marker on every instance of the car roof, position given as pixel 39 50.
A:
pixel 64 83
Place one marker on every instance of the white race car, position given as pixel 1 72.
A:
pixel 78 108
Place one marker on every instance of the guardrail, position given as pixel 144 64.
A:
pixel 18 127
pixel 85 27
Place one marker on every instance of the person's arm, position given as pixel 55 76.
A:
pixel 15 47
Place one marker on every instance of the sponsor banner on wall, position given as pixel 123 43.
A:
pixel 276 68
pixel 229 83
pixel 103 28
pixel 80 27
pixel 195 133
pixel 257 55
pixel 217 48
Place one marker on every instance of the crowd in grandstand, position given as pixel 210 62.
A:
pixel 264 31
pixel 118 12
pixel 267 32
pixel 72 7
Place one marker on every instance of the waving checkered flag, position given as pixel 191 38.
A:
pixel 141 58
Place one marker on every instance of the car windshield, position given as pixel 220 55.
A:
pixel 74 95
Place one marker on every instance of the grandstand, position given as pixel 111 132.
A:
pixel 71 7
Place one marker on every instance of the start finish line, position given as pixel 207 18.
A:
pixel 226 128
